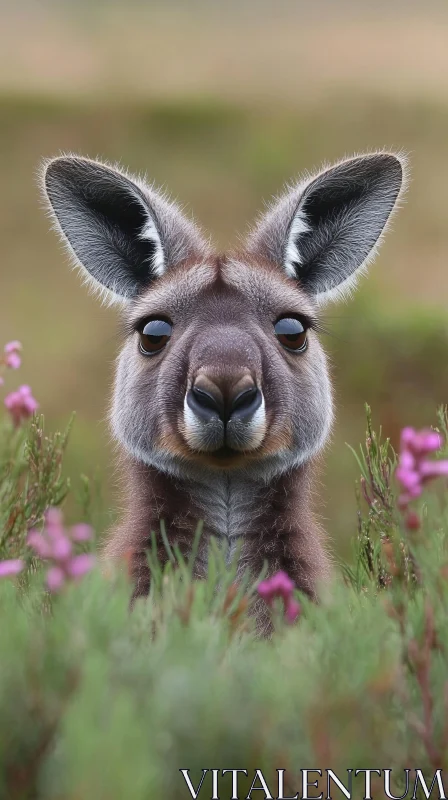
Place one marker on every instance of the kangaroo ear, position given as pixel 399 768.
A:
pixel 326 229
pixel 120 232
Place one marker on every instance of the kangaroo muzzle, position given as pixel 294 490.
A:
pixel 224 411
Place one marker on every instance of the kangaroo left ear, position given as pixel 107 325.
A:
pixel 121 233
pixel 326 229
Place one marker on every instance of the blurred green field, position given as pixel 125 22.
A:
pixel 389 346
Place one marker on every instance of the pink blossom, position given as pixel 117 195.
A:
pixel 21 404
pixel 433 469
pixel 79 565
pixel 61 547
pixel 281 585
pixel 13 361
pixel 11 567
pixel 420 442
pixel 409 478
pixel 54 517
pixel 39 544
pixel 55 579
pixel 13 347
pixel 293 610
pixel 81 532
pixel 414 468
pixel 12 357
pixel 55 545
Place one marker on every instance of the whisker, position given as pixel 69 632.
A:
pixel 326 332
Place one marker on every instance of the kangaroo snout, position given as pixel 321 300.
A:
pixel 224 410
pixel 225 398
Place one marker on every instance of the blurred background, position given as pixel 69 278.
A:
pixel 221 103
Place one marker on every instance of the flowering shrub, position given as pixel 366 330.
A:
pixel 21 404
pixel 30 472
pixel 12 357
pixel 55 546
pixel 11 567
pixel 415 469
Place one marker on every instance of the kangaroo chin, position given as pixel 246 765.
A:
pixel 222 398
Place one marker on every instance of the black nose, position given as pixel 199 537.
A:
pixel 205 405
pixel 245 404
pixel 208 403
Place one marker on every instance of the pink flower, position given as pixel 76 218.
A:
pixel 414 468
pixel 13 347
pixel 13 361
pixel 293 610
pixel 61 547
pixel 280 585
pixel 21 404
pixel 433 469
pixel 12 357
pixel 55 545
pixel 40 544
pixel 11 567
pixel 55 579
pixel 81 532
pixel 54 516
pixel 420 442
pixel 79 565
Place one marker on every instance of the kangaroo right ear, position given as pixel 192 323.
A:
pixel 326 229
pixel 120 232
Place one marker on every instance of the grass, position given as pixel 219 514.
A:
pixel 99 703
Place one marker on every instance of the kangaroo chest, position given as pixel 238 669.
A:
pixel 230 506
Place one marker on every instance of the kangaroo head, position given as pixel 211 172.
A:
pixel 222 366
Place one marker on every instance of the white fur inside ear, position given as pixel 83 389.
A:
pixel 326 229
pixel 151 234
pixel 298 226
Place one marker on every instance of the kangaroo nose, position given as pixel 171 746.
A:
pixel 223 399
pixel 205 403
pixel 245 404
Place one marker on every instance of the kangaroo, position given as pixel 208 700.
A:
pixel 222 398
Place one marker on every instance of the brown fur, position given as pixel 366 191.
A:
pixel 287 535
pixel 226 420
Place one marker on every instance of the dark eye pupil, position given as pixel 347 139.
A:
pixel 154 335
pixel 291 333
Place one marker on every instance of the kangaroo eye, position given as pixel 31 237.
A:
pixel 154 335
pixel 291 333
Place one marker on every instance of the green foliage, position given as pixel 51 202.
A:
pixel 30 480
pixel 412 344
pixel 376 463
pixel 97 702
